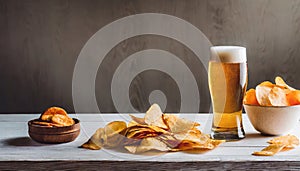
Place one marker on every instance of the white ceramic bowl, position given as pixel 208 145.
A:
pixel 273 120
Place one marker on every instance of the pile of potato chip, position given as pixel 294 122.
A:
pixel 54 117
pixel 278 144
pixel 156 131
pixel 269 94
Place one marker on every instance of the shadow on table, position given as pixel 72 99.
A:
pixel 21 141
pixel 257 135
pixel 148 153
pixel 154 153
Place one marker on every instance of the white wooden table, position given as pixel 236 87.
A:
pixel 18 151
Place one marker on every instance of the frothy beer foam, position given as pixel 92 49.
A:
pixel 228 54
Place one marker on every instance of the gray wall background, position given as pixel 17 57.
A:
pixel 40 41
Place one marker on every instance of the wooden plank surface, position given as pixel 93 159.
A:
pixel 16 147
pixel 137 166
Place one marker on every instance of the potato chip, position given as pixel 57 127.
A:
pixel 138 120
pixel 132 123
pixel 278 144
pixel 190 136
pixel 202 143
pixel 267 84
pixel 110 136
pixel 262 93
pixel 63 120
pixel 280 82
pixel 289 141
pixel 131 142
pixel 178 125
pixel 157 131
pixel 153 117
pixel 131 148
pixel 50 112
pixel 141 134
pixel 293 97
pixel 91 145
pixel 138 132
pixel 268 94
pixel 191 145
pixel 271 150
pixel 250 97
pixel 277 97
pixel 148 144
pixel 263 153
pixel 115 127
pixel 113 134
pixel 55 117
pixel 169 140
pixel 114 141
pixel 49 124
pixel 97 141
pixel 143 131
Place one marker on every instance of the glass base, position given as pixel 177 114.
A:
pixel 228 135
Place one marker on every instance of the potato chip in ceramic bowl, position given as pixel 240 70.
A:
pixel 273 109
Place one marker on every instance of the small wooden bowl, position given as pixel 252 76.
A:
pixel 53 135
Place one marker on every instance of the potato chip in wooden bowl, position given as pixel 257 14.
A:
pixel 54 126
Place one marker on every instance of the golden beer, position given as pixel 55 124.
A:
pixel 227 76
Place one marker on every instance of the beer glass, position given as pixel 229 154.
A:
pixel 228 78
